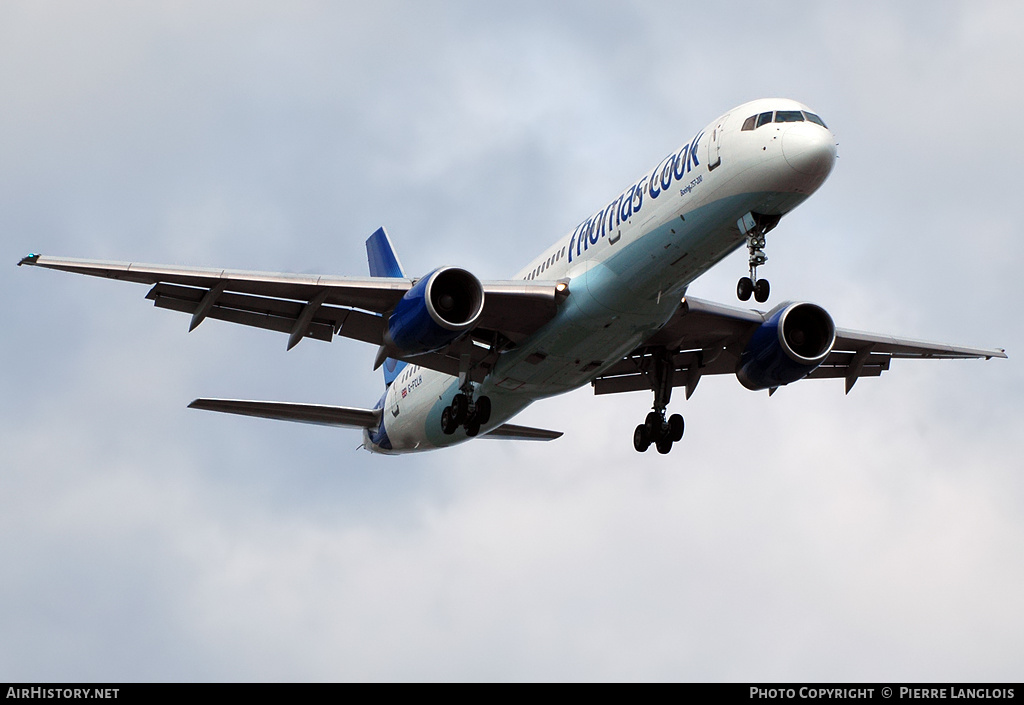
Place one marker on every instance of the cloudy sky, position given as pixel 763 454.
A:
pixel 811 536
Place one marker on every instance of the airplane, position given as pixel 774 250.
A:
pixel 605 305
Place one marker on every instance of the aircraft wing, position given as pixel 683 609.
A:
pixel 320 306
pixel 708 338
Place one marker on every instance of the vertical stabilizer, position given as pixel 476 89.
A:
pixel 380 254
pixel 392 368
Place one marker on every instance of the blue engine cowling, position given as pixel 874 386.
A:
pixel 787 347
pixel 435 311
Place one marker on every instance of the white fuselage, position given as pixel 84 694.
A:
pixel 627 267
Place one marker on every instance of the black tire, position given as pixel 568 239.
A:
pixel 664 446
pixel 641 441
pixel 483 410
pixel 448 424
pixel 653 424
pixel 761 291
pixel 675 427
pixel 460 409
pixel 744 288
pixel 472 427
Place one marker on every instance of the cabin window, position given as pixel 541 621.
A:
pixel 764 118
pixel 815 119
pixel 789 116
pixel 748 124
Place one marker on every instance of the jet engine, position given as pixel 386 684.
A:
pixel 787 347
pixel 435 311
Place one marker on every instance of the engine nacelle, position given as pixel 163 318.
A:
pixel 787 347
pixel 435 311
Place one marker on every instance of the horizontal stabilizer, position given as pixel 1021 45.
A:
pixel 318 414
pixel 511 432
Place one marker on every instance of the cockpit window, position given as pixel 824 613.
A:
pixel 789 116
pixel 748 124
pixel 815 119
pixel 764 118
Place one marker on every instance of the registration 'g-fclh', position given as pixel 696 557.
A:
pixel 604 305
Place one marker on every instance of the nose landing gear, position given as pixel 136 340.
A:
pixel 755 226
pixel 656 429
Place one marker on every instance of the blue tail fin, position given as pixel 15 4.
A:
pixel 392 368
pixel 380 253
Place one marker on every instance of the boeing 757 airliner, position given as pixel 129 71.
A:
pixel 606 304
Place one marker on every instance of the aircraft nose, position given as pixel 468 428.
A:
pixel 809 149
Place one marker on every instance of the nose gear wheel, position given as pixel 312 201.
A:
pixel 756 257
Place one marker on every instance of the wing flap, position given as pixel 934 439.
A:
pixel 317 414
pixel 272 314
pixel 634 373
pixel 826 371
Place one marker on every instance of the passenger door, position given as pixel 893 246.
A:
pixel 715 143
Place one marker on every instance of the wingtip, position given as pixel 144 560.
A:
pixel 29 259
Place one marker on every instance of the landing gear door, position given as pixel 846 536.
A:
pixel 714 155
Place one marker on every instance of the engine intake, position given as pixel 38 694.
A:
pixel 435 311
pixel 787 347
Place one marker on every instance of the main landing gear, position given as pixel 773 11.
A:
pixel 756 226
pixel 656 429
pixel 463 411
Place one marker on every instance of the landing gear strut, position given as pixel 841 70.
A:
pixel 656 429
pixel 463 411
pixel 755 226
